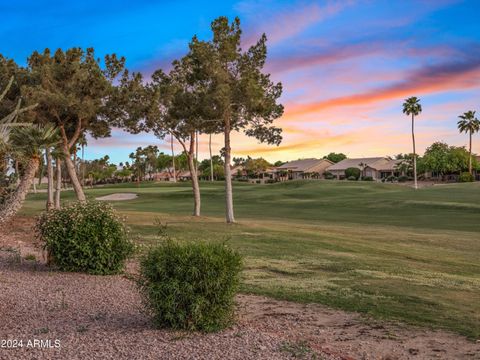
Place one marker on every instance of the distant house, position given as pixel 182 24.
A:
pixel 303 169
pixel 376 167
pixel 167 175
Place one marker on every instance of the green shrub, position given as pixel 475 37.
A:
pixel 328 175
pixel 367 178
pixel 352 178
pixel 352 172
pixel 86 237
pixel 465 177
pixel 191 286
pixel 403 178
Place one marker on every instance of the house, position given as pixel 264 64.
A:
pixel 302 169
pixel 376 167
pixel 167 175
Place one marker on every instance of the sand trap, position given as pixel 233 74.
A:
pixel 118 197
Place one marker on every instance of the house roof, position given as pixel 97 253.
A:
pixel 302 165
pixel 377 163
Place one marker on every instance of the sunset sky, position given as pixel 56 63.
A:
pixel 346 66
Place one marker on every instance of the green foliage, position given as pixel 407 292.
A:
pixel 466 177
pixel 352 172
pixel 335 157
pixel 440 159
pixel 191 286
pixel 367 178
pixel 352 178
pixel 328 175
pixel 403 178
pixel 87 237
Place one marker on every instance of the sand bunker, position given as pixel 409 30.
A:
pixel 118 197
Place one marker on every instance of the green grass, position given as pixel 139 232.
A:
pixel 380 249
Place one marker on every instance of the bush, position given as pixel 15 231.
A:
pixel 352 178
pixel 352 172
pixel 328 175
pixel 403 178
pixel 367 178
pixel 465 177
pixel 192 286
pixel 85 237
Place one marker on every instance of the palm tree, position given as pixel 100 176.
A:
pixel 412 106
pixel 468 123
pixel 28 141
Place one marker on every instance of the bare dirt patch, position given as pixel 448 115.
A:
pixel 103 317
pixel 118 197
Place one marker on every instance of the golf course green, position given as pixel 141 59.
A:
pixel 385 250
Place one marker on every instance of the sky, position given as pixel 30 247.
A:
pixel 346 66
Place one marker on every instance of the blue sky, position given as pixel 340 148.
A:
pixel 346 66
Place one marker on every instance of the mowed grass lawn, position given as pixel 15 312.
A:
pixel 381 249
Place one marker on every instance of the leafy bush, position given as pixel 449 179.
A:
pixel 352 172
pixel 328 175
pixel 367 178
pixel 465 177
pixel 191 286
pixel 86 237
pixel 402 178
pixel 352 178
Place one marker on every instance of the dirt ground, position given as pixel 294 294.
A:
pixel 102 317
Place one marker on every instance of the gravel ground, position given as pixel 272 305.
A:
pixel 101 317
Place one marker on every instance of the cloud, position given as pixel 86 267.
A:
pixel 289 22
pixel 436 78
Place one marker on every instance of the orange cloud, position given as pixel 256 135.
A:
pixel 461 75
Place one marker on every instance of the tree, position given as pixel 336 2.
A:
pixel 29 141
pixel 468 123
pixel 412 106
pixel 240 97
pixel 442 159
pixel 256 166
pixel 212 167
pixel 175 101
pixel 335 157
pixel 76 95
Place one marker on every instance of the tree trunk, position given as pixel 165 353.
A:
pixel 48 158
pixel 195 185
pixel 15 201
pixel 470 170
pixel 211 158
pixel 77 187
pixel 69 164
pixel 58 183
pixel 229 216
pixel 414 154
pixel 173 160
pixel 193 173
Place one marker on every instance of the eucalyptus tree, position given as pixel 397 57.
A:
pixel 412 107
pixel 468 123
pixel 76 93
pixel 241 97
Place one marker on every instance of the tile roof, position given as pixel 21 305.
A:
pixel 301 164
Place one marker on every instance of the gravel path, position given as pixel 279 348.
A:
pixel 101 317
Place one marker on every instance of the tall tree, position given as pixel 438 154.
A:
pixel 174 109
pixel 412 107
pixel 75 93
pixel 241 97
pixel 468 123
